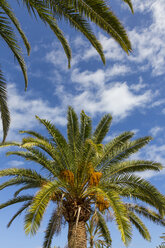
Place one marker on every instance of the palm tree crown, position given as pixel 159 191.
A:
pixel 83 177
pixel 78 13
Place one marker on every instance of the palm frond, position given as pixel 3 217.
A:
pixel 16 200
pixel 98 12
pixel 139 225
pixel 121 216
pixel 40 202
pixel 114 144
pixel 73 129
pixel 143 187
pixel 131 166
pixel 102 129
pixel 104 229
pixel 59 141
pixel 5 114
pixel 117 154
pixel 9 12
pixel 54 227
pixel 147 213
pixel 36 156
pixel 8 35
pixel 129 2
pixel 85 127
pixel 47 17
pixel 24 207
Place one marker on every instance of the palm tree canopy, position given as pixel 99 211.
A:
pixel 78 13
pixel 82 176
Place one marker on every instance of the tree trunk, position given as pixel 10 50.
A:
pixel 77 237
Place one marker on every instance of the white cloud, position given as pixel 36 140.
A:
pixel 117 70
pixel 58 58
pixel 23 108
pixel 87 78
pixel 155 130
pixel 117 99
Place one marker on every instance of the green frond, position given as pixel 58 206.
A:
pixel 147 213
pixel 28 173
pixel 129 2
pixel 19 180
pixel 104 228
pixel 5 144
pixel 113 145
pixel 59 141
pixel 119 153
pixel 24 207
pixel 8 35
pixel 5 114
pixel 32 185
pixel 35 134
pixel 72 129
pixel 136 221
pixel 99 13
pixel 48 18
pixel 132 166
pixel 102 129
pixel 36 156
pixel 121 216
pixel 29 143
pixel 79 23
pixel 16 200
pixel 143 188
pixel 85 127
pixel 9 12
pixel 37 208
pixel 54 227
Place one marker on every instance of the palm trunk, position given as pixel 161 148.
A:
pixel 77 237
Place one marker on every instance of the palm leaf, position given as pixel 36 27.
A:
pixel 7 34
pixel 16 200
pixel 9 12
pixel 5 114
pixel 102 129
pixel 40 202
pixel 24 207
pixel 139 225
pixel 54 227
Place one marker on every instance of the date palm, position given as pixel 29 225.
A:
pixel 78 13
pixel 80 176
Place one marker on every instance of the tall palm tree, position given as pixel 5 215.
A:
pixel 78 13
pixel 81 176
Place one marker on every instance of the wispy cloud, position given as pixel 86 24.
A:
pixel 155 130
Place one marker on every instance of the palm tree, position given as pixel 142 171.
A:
pixel 80 176
pixel 78 13
pixel 98 234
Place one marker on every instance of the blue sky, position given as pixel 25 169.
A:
pixel 131 88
